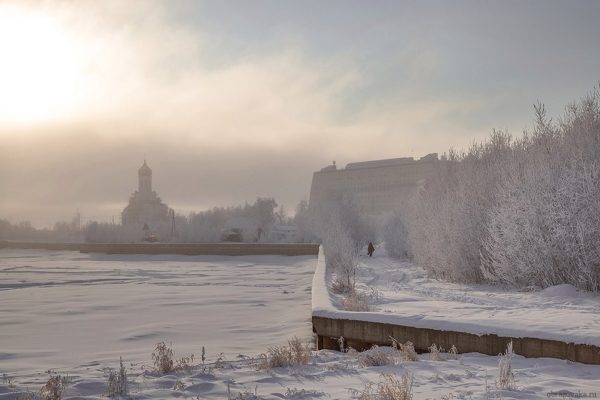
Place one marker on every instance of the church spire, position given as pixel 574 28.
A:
pixel 145 178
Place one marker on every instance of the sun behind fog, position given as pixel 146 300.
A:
pixel 40 68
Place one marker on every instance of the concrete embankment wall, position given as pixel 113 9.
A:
pixel 329 324
pixel 226 249
pixel 361 335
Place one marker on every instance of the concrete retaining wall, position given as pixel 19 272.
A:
pixel 361 335
pixel 227 249
pixel 359 332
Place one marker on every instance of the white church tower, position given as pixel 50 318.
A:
pixel 145 207
pixel 145 179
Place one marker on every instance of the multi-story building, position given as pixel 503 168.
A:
pixel 376 186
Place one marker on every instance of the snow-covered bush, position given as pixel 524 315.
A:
pixel 523 212
pixel 375 357
pixel 435 353
pixel 506 378
pixel 453 352
pixel 545 229
pixel 451 213
pixel 407 351
pixel 117 381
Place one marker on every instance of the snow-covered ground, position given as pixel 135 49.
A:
pixel 333 375
pixel 408 297
pixel 66 309
pixel 78 313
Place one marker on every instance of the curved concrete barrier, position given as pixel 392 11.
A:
pixel 361 331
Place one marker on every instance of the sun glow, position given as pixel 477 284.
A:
pixel 40 68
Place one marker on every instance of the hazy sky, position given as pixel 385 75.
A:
pixel 234 100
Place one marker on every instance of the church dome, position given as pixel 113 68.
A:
pixel 145 169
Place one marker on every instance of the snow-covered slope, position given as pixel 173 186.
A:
pixel 408 297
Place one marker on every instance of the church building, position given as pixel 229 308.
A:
pixel 145 207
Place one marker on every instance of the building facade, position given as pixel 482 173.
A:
pixel 145 207
pixel 376 187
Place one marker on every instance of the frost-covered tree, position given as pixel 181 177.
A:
pixel 523 212
pixel 395 237
pixel 343 230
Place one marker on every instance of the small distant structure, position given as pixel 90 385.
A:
pixel 145 207
pixel 241 229
pixel 232 235
pixel 281 233
pixel 148 235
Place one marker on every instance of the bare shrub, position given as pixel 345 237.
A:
pixel 117 381
pixel 407 350
pixel 55 387
pixel 506 378
pixel 221 362
pixel 435 353
pixel 163 358
pixel 342 229
pixel 356 300
pixel 295 353
pixel 389 388
pixel 164 363
pixel 342 255
pixel 375 357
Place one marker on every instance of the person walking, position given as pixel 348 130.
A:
pixel 370 249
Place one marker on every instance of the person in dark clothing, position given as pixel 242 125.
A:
pixel 370 249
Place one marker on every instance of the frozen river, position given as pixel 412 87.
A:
pixel 67 310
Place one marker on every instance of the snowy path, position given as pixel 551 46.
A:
pixel 560 312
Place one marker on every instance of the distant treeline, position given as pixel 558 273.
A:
pixel 61 232
pixel 249 223
pixel 254 222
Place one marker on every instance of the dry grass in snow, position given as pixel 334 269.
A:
pixel 506 378
pixel 389 388
pixel 295 353
pixel 117 381
pixel 162 357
